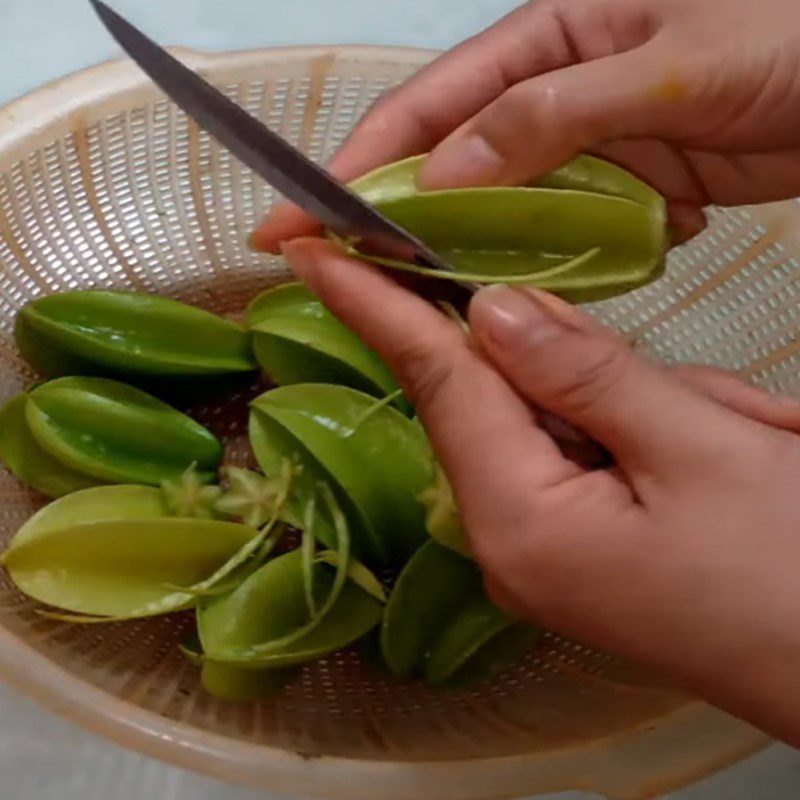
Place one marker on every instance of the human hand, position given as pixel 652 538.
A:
pixel 683 556
pixel 699 99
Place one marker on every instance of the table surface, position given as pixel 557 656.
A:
pixel 45 758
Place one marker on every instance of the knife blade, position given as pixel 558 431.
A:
pixel 281 164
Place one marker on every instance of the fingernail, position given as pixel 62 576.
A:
pixel 252 243
pixel 469 161
pixel 258 242
pixel 571 316
pixel 506 315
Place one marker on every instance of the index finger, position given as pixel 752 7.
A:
pixel 414 117
pixel 484 434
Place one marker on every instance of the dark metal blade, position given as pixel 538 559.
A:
pixel 274 159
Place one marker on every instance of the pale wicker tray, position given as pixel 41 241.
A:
pixel 103 183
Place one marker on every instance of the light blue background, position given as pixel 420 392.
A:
pixel 43 758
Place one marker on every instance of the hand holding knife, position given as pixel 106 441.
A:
pixel 305 183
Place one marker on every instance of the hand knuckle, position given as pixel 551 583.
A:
pixel 590 496
pixel 589 383
pixel 777 451
pixel 515 104
pixel 424 368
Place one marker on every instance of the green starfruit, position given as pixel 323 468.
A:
pixel 427 594
pixel 237 685
pixel 115 433
pixel 145 339
pixel 588 231
pixel 270 605
pixel 112 551
pixel 297 340
pixel 443 519
pixel 29 462
pixel 375 459
pixel 439 623
pixel 477 642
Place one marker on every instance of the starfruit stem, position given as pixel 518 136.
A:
pixel 270 543
pixel 253 546
pixel 253 653
pixel 372 410
pixel 189 495
pixel 356 572
pixel 275 535
pixel 308 546
pixel 249 496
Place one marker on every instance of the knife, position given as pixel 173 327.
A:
pixel 283 166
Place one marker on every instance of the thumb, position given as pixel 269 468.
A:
pixel 569 365
pixel 539 124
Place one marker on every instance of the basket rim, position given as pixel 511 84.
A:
pixel 716 742
pixel 32 113
pixel 301 774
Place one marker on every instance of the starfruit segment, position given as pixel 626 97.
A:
pixel 443 519
pixel 272 446
pixel 427 594
pixel 596 175
pixel 318 611
pixel 270 605
pixel 139 338
pixel 377 463
pixel 501 652
pixel 33 465
pixel 113 432
pixel 466 646
pixel 584 173
pixel 297 340
pixel 234 684
pixel 506 231
pixel 97 504
pixel 110 552
pixel 440 623
pixel 124 568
